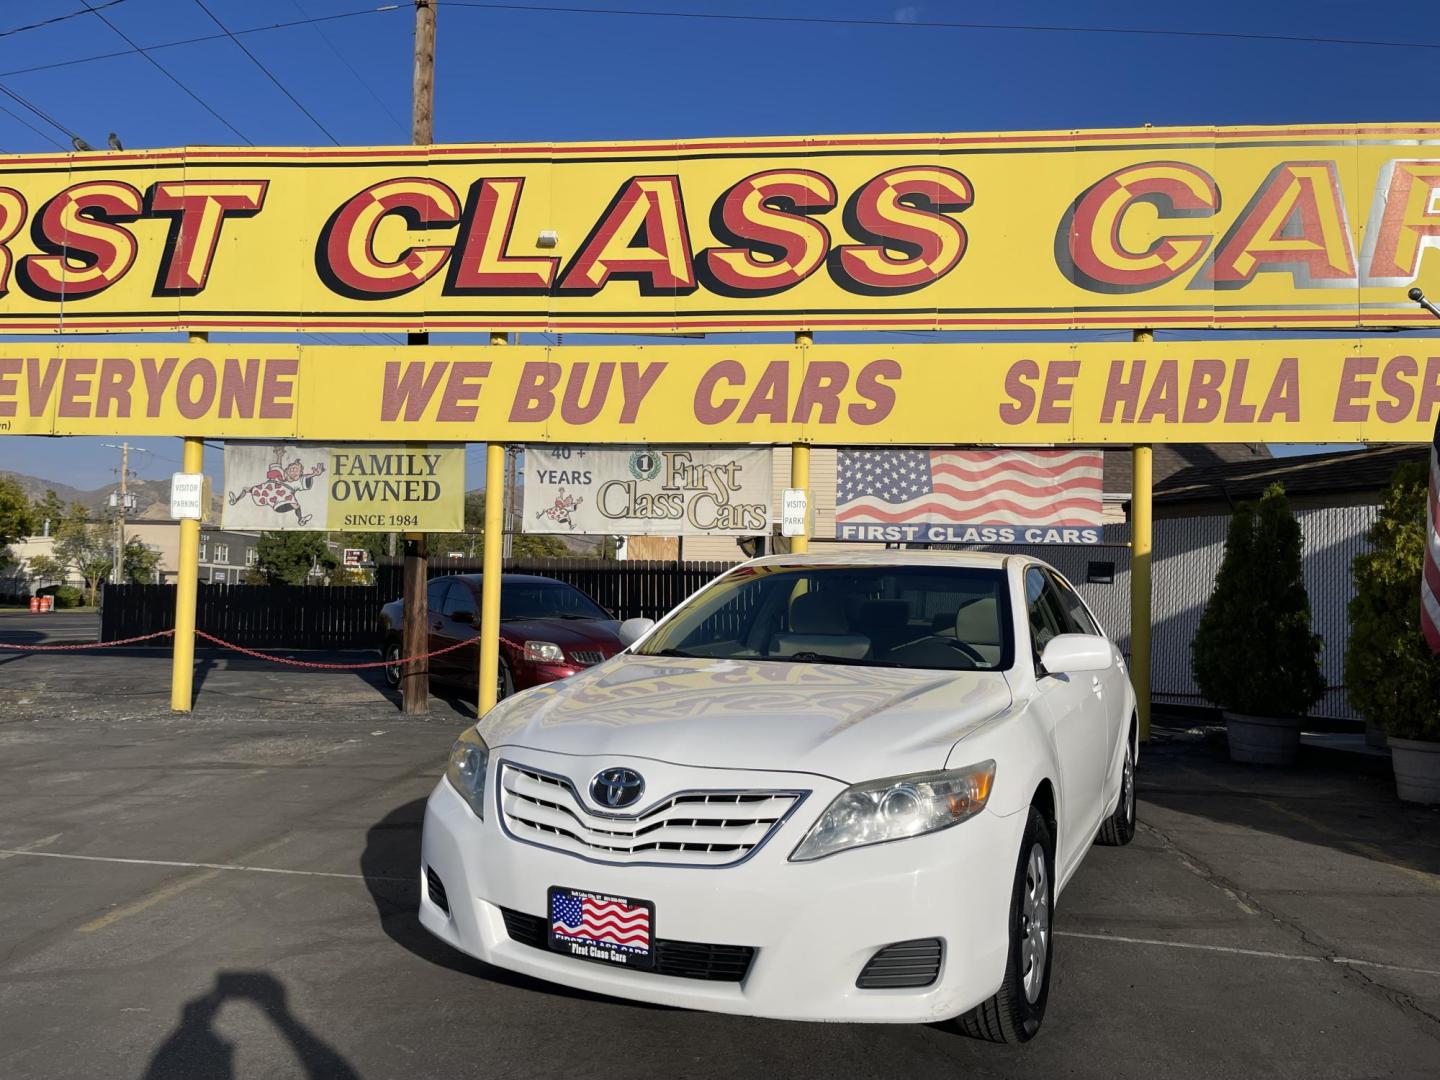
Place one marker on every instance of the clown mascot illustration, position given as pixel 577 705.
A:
pixel 280 491
pixel 562 512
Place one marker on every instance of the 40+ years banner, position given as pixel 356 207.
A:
pixel 350 487
pixel 1015 394
pixel 647 490
pixel 1311 226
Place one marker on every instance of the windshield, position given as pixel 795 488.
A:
pixel 937 617
pixel 547 600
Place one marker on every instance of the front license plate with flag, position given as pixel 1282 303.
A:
pixel 607 929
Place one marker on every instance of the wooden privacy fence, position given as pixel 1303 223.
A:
pixel 631 589
pixel 256 616
pixel 348 616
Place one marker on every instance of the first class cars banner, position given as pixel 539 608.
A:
pixel 1364 390
pixel 1302 226
pixel 647 490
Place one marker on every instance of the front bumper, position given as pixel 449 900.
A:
pixel 813 925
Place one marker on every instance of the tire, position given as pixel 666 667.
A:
pixel 1119 828
pixel 392 665
pixel 1014 1014
pixel 505 682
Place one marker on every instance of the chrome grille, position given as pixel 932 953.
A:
pixel 689 828
pixel 587 657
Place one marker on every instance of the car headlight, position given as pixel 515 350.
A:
pixel 544 652
pixel 897 807
pixel 466 770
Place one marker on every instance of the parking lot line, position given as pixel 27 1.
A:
pixel 1264 954
pixel 7 852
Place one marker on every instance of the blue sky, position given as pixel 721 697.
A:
pixel 549 74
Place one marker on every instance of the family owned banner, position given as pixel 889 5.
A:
pixel 350 487
pixel 647 490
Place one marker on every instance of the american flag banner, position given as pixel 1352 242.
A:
pixel 1430 579
pixel 606 922
pixel 970 496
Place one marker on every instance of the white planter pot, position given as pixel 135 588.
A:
pixel 1417 770
pixel 1262 740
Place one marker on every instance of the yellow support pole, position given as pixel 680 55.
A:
pixel 187 582
pixel 491 569
pixel 1142 537
pixel 800 469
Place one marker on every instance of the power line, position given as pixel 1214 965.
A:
pixel 383 9
pixel 59 18
pixel 166 72
pixel 41 113
pixel 816 20
pixel 364 82
pixel 21 120
pixel 267 72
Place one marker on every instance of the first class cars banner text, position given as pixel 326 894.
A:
pixel 1377 389
pixel 1300 226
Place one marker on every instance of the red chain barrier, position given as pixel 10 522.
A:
pixel 87 644
pixel 241 649
pixel 329 667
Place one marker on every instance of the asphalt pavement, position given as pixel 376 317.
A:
pixel 232 893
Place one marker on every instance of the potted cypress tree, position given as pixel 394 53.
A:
pixel 1391 675
pixel 1255 655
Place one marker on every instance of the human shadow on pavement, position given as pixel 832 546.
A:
pixel 390 865
pixel 196 1049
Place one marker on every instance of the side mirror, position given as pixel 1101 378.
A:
pixel 1076 652
pixel 463 617
pixel 632 630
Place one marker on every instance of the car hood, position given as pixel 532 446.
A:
pixel 567 633
pixel 850 723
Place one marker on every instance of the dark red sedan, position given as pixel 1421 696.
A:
pixel 548 630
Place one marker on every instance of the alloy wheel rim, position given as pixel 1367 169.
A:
pixel 392 666
pixel 1035 924
pixel 1129 782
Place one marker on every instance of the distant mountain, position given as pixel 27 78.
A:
pixel 152 497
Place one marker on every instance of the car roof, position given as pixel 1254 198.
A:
pixel 995 560
pixel 505 579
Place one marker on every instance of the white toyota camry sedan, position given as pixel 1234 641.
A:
pixel 825 787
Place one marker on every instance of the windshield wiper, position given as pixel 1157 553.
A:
pixel 681 653
pixel 826 658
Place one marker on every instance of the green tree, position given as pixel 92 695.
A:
pixel 522 545
pixel 50 508
pixel 17 516
pixel 47 570
pixel 87 549
pixel 140 562
pixel 290 557
pixel 1254 651
pixel 1391 675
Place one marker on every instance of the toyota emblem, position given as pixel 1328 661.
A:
pixel 617 787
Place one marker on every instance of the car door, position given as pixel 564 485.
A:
pixel 435 596
pixel 1075 710
pixel 460 617
pixel 1114 680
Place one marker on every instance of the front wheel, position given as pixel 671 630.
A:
pixel 1119 828
pixel 1013 1015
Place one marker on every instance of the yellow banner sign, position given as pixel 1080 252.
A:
pixel 365 487
pixel 1314 226
pixel 841 395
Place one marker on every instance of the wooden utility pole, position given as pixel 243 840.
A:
pixel 415 634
